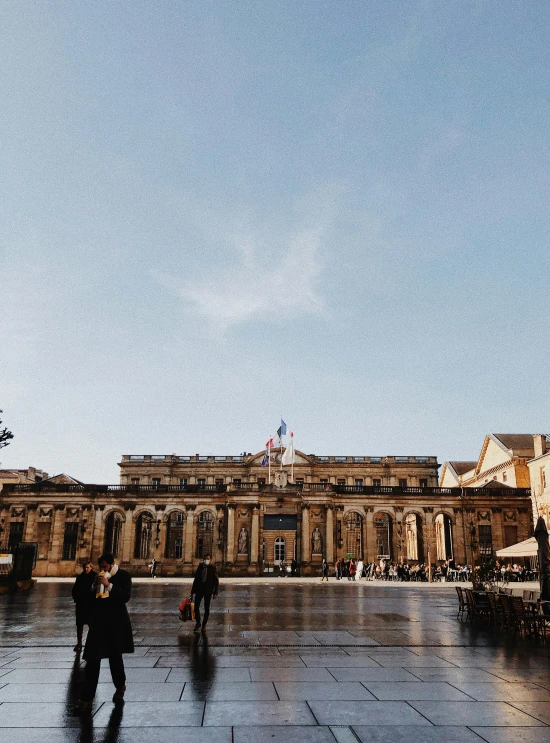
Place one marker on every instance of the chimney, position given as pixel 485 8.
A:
pixel 539 441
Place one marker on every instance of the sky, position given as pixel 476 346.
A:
pixel 214 214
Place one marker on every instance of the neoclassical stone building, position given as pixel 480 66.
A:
pixel 176 509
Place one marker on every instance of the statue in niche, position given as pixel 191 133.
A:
pixel 317 541
pixel 243 542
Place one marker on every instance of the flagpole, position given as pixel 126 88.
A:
pixel 269 460
pixel 281 443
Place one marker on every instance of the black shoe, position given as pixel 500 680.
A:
pixel 118 696
pixel 197 628
pixel 84 707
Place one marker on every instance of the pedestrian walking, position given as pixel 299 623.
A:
pixel 110 634
pixel 205 587
pixel 153 568
pixel 282 569
pixel 359 570
pixel 324 570
pixel 337 569
pixel 82 597
pixel 293 568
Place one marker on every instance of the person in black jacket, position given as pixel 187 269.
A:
pixel 110 634
pixel 205 586
pixel 82 596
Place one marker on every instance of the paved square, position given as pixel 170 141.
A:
pixel 293 661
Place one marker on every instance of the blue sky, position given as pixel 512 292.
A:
pixel 214 213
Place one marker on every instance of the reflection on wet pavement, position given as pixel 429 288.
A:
pixel 294 661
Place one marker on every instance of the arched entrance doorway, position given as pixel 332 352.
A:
pixel 383 526
pixel 444 537
pixel 414 542
pixel 354 535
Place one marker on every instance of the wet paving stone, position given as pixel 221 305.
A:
pixel 288 661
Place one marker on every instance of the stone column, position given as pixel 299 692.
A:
pixel 58 531
pixel 254 535
pixel 128 533
pixel 95 535
pixel 188 536
pixel 329 535
pixel 370 530
pixel 497 529
pixel 230 547
pixel 30 529
pixel 306 536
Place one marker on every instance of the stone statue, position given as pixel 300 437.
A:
pixel 317 541
pixel 243 542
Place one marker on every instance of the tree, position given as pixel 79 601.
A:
pixel 5 435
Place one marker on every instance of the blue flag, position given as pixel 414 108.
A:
pixel 281 431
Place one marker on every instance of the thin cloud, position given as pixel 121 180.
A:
pixel 260 286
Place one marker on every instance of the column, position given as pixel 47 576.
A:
pixel 370 546
pixel 95 538
pixel 329 535
pixel 127 535
pixel 188 536
pixel 306 536
pixel 254 535
pixel 230 547
pixel 30 529
pixel 58 531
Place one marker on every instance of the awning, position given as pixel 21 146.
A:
pixel 528 548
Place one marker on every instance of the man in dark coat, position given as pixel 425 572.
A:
pixel 205 586
pixel 82 596
pixel 110 634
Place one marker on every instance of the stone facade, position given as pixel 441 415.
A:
pixel 177 509
pixel 539 472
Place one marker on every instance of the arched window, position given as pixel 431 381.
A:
pixel 144 536
pixel 113 532
pixel 354 532
pixel 174 535
pixel 264 554
pixel 205 535
pixel 280 549
pixel 382 523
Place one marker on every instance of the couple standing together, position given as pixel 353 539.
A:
pixel 101 603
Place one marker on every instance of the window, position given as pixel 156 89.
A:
pixel 485 542
pixel 504 476
pixel 113 531
pixel 340 481
pixel 543 478
pixel 323 479
pixel 183 482
pixel 218 481
pixel 299 481
pixel 359 482
pixel 201 481
pixel 144 536
pixel 237 482
pixel 261 480
pixel 280 549
pixel 510 535
pixel 174 535
pixel 354 524
pixel 155 482
pixel 402 482
pixel 423 482
pixel 376 482
pixel 16 534
pixel 205 534
pixel 135 480
pixel 69 540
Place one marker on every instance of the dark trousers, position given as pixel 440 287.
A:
pixel 91 675
pixel 198 598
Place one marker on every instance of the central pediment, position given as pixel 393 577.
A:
pixel 299 458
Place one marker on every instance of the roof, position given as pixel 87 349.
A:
pixel 462 467
pixel 63 479
pixel 494 484
pixel 521 444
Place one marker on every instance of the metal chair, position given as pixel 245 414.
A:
pixel 462 603
pixel 496 615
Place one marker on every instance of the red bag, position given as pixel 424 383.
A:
pixel 187 610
